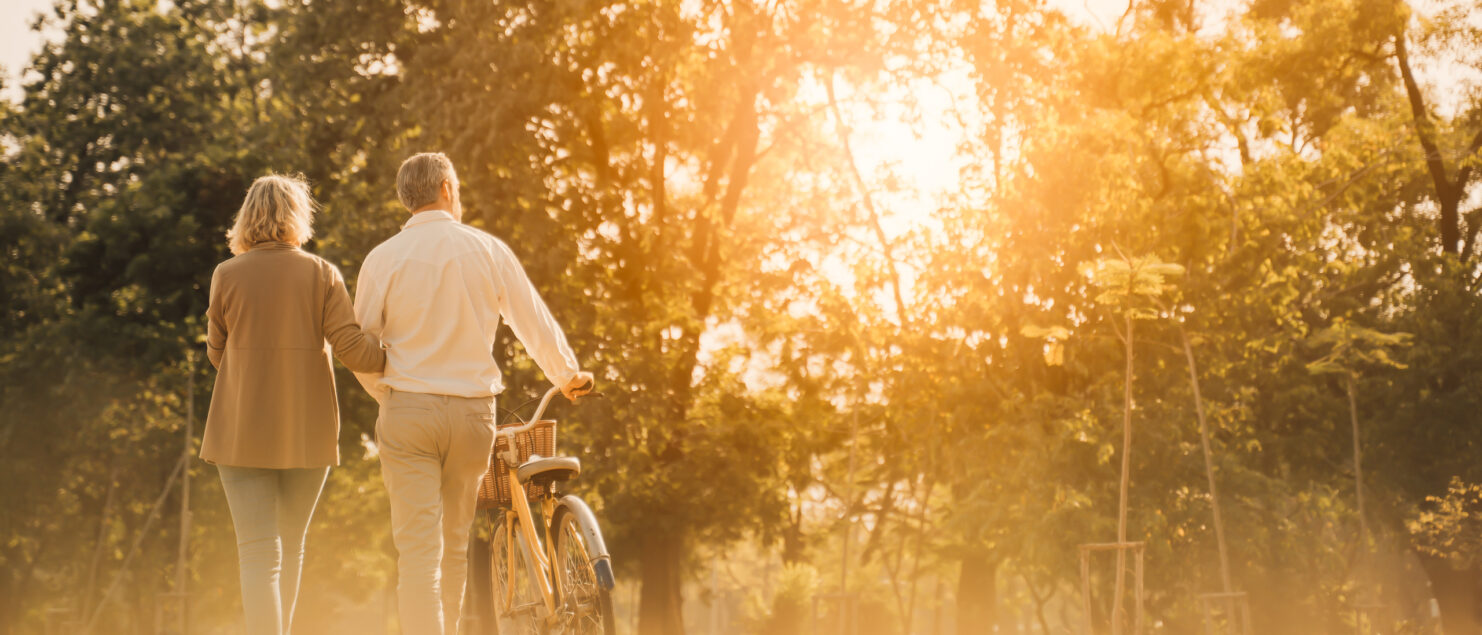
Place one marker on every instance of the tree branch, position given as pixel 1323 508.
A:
pixel 1464 174
pixel 869 203
pixel 1424 129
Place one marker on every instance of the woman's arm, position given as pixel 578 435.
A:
pixel 356 349
pixel 215 324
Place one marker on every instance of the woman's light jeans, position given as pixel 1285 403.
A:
pixel 271 510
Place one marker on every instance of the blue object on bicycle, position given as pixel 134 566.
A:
pixel 603 569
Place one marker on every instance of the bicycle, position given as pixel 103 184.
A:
pixel 552 578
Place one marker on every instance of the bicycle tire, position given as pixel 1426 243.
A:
pixel 523 619
pixel 585 605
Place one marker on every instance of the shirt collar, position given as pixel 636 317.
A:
pixel 272 244
pixel 429 216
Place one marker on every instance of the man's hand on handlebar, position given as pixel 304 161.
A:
pixel 579 385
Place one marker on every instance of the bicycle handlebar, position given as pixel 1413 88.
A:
pixel 540 410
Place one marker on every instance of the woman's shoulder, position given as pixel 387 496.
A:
pixel 322 266
pixel 228 266
pixel 277 261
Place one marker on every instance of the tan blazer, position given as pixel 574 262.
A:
pixel 272 310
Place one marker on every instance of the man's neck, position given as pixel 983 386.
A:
pixel 439 207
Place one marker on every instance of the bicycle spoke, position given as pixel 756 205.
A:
pixel 518 614
pixel 581 597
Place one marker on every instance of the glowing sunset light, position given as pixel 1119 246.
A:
pixel 908 317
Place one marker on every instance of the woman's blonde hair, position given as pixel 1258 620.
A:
pixel 278 208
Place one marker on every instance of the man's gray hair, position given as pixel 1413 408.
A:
pixel 420 178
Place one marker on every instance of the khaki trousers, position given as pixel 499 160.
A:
pixel 434 450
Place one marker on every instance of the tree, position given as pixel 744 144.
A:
pixel 1128 286
pixel 1348 348
pixel 790 359
pixel 122 118
pixel 151 120
pixel 637 128
pixel 1457 232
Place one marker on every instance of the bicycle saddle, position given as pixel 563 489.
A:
pixel 548 469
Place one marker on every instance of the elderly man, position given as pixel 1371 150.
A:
pixel 434 294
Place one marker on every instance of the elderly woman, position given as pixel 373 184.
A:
pixel 274 423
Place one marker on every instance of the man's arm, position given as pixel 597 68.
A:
pixel 370 312
pixel 532 322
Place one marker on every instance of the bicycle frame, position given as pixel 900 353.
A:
pixel 542 559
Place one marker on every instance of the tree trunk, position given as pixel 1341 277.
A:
pixel 7 602
pixel 1449 190
pixel 1118 615
pixel 977 595
pixel 1214 491
pixel 1450 203
pixel 659 606
pixel 792 539
pixel 1456 592
pixel 1358 467
pixel 90 588
pixel 1039 602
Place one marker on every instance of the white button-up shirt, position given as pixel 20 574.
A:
pixel 434 293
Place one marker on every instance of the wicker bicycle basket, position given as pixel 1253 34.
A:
pixel 494 489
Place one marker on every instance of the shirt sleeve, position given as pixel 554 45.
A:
pixel 355 348
pixel 370 311
pixel 529 318
pixel 216 331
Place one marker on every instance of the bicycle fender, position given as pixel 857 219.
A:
pixel 592 535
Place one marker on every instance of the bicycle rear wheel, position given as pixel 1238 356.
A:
pixel 585 606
